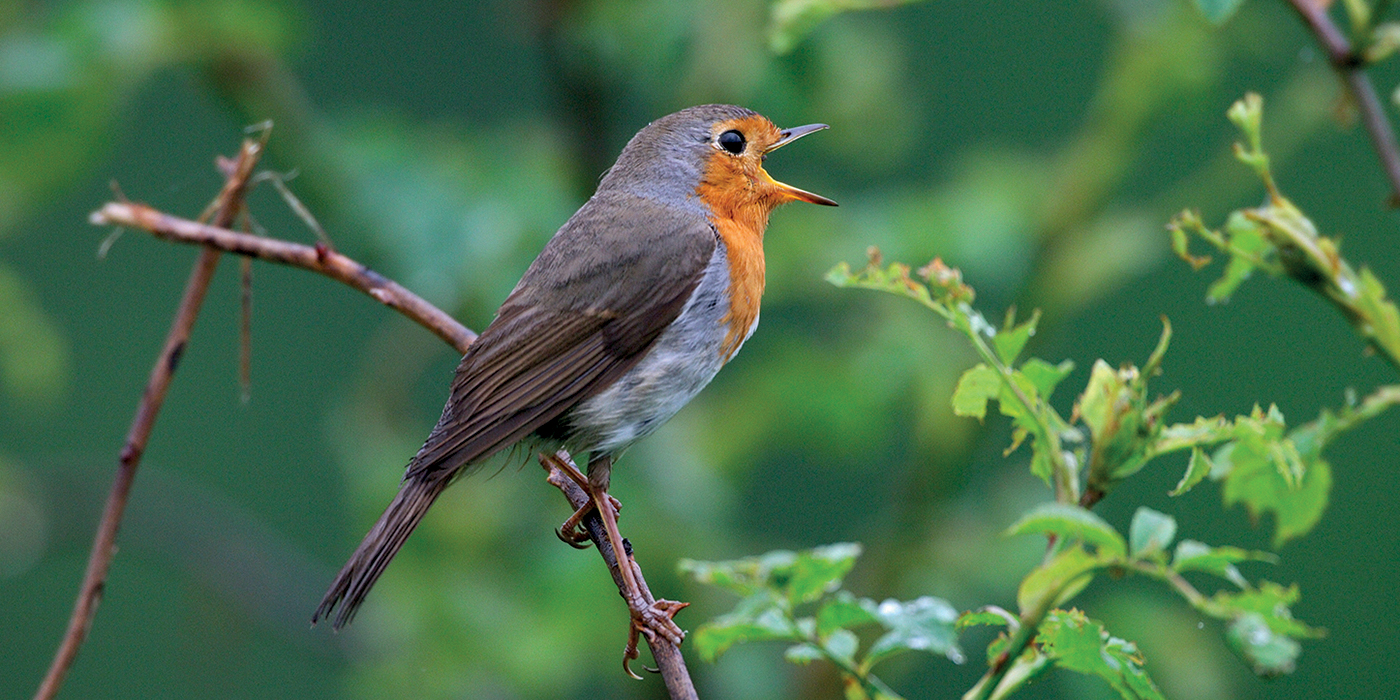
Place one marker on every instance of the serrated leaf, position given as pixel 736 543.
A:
pixel 755 619
pixel 1151 532
pixel 843 611
pixel 975 388
pixel 799 577
pixel 1071 522
pixel 1258 472
pixel 803 654
pixel 1045 376
pixel 1197 469
pixel 1191 555
pixel 1076 643
pixel 1057 580
pixel 1261 627
pixel 1270 600
pixel 923 624
pixel 1218 11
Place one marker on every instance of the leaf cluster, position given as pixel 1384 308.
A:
pixel 796 597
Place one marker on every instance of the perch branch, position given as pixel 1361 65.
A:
pixel 322 259
pixel 319 258
pixel 668 657
pixel 226 208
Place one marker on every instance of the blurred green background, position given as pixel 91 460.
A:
pixel 1039 146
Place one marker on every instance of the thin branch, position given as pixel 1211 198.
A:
pixel 226 206
pixel 324 260
pixel 1351 66
pixel 668 656
pixel 320 258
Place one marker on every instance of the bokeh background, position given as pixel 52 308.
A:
pixel 1039 146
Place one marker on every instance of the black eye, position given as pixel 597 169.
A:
pixel 732 141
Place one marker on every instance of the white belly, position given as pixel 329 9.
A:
pixel 684 358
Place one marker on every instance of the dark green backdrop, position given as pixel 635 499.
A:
pixel 1039 146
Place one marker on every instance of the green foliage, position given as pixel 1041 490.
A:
pixel 779 587
pixel 1280 240
pixel 1075 643
pixel 1115 431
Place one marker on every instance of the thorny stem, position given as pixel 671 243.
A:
pixel 226 206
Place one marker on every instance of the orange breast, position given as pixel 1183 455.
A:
pixel 744 242
pixel 740 196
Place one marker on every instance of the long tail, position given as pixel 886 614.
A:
pixel 384 540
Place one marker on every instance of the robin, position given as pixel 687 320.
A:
pixel 628 312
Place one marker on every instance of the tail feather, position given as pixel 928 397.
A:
pixel 373 555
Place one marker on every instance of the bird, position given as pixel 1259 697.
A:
pixel 630 309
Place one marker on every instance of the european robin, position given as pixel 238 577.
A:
pixel 628 312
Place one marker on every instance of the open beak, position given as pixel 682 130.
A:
pixel 787 136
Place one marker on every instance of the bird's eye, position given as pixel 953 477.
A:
pixel 732 141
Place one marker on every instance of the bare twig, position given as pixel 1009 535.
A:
pixel 668 656
pixel 319 258
pixel 226 208
pixel 1352 68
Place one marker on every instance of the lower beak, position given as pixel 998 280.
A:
pixel 785 137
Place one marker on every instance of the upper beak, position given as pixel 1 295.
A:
pixel 785 137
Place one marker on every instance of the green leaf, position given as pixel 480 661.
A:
pixel 975 387
pixel 973 618
pixel 1098 403
pixel 1009 342
pixel 923 624
pixel 1268 653
pixel 1076 643
pixel 1267 472
pixel 1246 242
pixel 1262 627
pixel 1045 376
pixel 757 618
pixel 798 577
pixel 1220 561
pixel 1204 431
pixel 1058 580
pixel 1197 469
pixel 1071 522
pixel 842 645
pixel 843 611
pixel 1151 532
pixel 1217 11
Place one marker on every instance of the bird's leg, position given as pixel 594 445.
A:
pixel 572 532
pixel 650 617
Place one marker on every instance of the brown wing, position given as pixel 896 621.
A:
pixel 613 278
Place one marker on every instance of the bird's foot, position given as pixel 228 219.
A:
pixel 572 531
pixel 650 620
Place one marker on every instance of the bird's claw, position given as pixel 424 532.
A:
pixel 572 531
pixel 649 621
pixel 576 538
